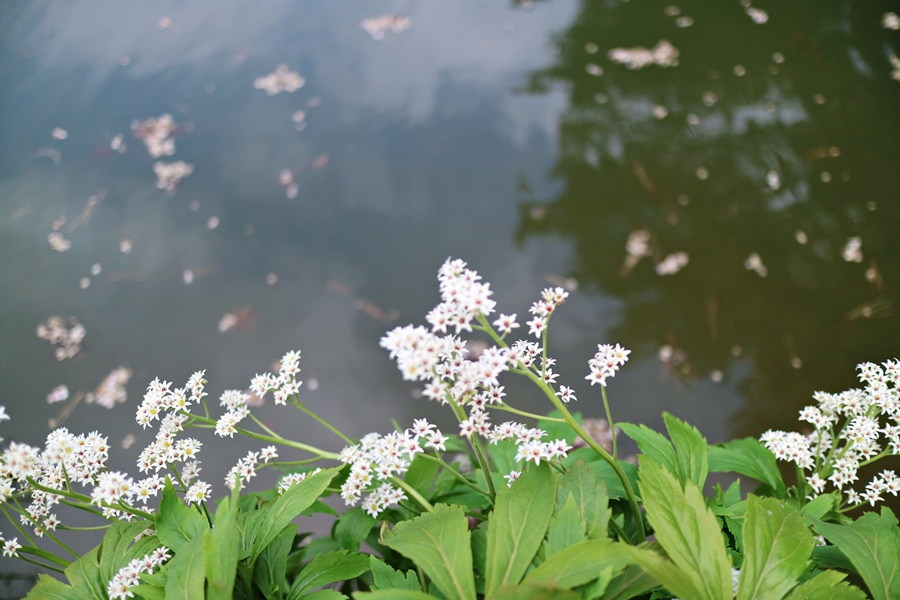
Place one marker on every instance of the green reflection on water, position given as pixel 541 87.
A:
pixel 776 139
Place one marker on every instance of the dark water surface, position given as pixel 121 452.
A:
pixel 503 134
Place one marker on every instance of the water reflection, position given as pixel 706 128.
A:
pixel 739 203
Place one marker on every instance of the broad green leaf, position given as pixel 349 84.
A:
pixel 652 444
pixel 820 506
pixel 672 577
pixel 114 549
pixel 176 523
pixel 247 525
pixel 578 564
pixel 632 582
pixel 268 572
pixel 503 454
pixel 871 543
pixel 479 548
pixel 84 575
pixel 48 588
pixel 517 526
pixel 421 475
pixel 353 527
pixel 438 542
pixel 598 586
pixel 220 549
pixel 591 498
pixel 777 545
pixel 691 450
pixel 687 530
pixel 292 502
pixel 827 585
pixel 385 577
pixel 149 592
pixel 566 528
pixel 325 595
pixel 392 595
pixel 748 457
pixel 187 572
pixel 532 591
pixel 324 569
pixel 603 472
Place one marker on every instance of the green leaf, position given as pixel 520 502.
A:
pixel 187 572
pixel 820 506
pixel 597 587
pixel 386 577
pixel 421 475
pixel 438 542
pixel 777 546
pixel 84 575
pixel 176 523
pixel 325 595
pixel 827 585
pixel 324 569
pixel 691 450
pixel 392 595
pixel 675 579
pixel 48 588
pixel 292 502
pixel 603 472
pixel 114 549
pixel 872 544
pixel 578 564
pixel 560 431
pixel 687 530
pixel 591 498
pixel 269 570
pixel 517 526
pixel 353 527
pixel 566 528
pixel 748 457
pixel 653 444
pixel 633 581
pixel 220 549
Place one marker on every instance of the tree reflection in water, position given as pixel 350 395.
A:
pixel 775 139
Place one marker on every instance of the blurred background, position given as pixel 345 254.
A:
pixel 206 185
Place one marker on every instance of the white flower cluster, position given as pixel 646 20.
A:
pixel 376 459
pixel 852 429
pixel 65 334
pixel 245 469
pixel 543 308
pixel 11 547
pixel 157 134
pixel 282 79
pixel 285 483
pixel 119 587
pixel 606 362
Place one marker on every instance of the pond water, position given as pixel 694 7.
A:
pixel 716 184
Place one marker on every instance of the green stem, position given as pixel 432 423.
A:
pixel 277 439
pixel 413 493
pixel 92 528
pixel 612 462
pixel 620 532
pixel 261 424
pixel 437 458
pixel 322 421
pixel 39 526
pixel 40 564
pixel 609 420
pixel 507 408
pixel 476 448
pixel 15 523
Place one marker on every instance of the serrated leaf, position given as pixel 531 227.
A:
pixel 687 530
pixel 114 548
pixel 438 542
pixel 871 543
pixel 777 547
pixel 578 564
pixel 653 444
pixel 591 498
pixel 691 450
pixel 84 575
pixel 48 588
pixel 176 523
pixel 353 527
pixel 517 526
pixel 672 577
pixel 269 570
pixel 827 585
pixel 385 577
pixel 220 550
pixel 392 595
pixel 187 572
pixel 632 582
pixel 324 569
pixel 566 528
pixel 749 457
pixel 292 502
